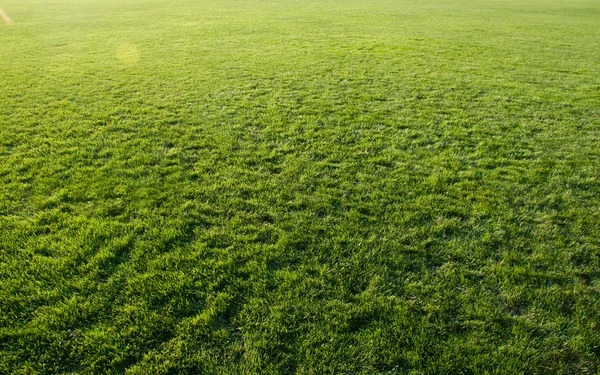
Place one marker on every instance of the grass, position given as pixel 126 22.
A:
pixel 311 187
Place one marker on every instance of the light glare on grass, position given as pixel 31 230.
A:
pixel 128 54
pixel 5 17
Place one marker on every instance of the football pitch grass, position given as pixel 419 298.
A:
pixel 311 187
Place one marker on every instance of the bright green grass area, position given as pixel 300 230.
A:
pixel 311 187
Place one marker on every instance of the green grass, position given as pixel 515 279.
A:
pixel 311 187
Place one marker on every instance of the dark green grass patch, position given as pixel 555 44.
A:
pixel 312 187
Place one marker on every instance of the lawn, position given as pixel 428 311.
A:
pixel 310 187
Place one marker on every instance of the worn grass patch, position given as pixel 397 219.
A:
pixel 312 187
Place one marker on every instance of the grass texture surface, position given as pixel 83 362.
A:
pixel 310 187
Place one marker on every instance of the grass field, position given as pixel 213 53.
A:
pixel 311 187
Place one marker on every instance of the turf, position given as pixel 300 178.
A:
pixel 311 187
